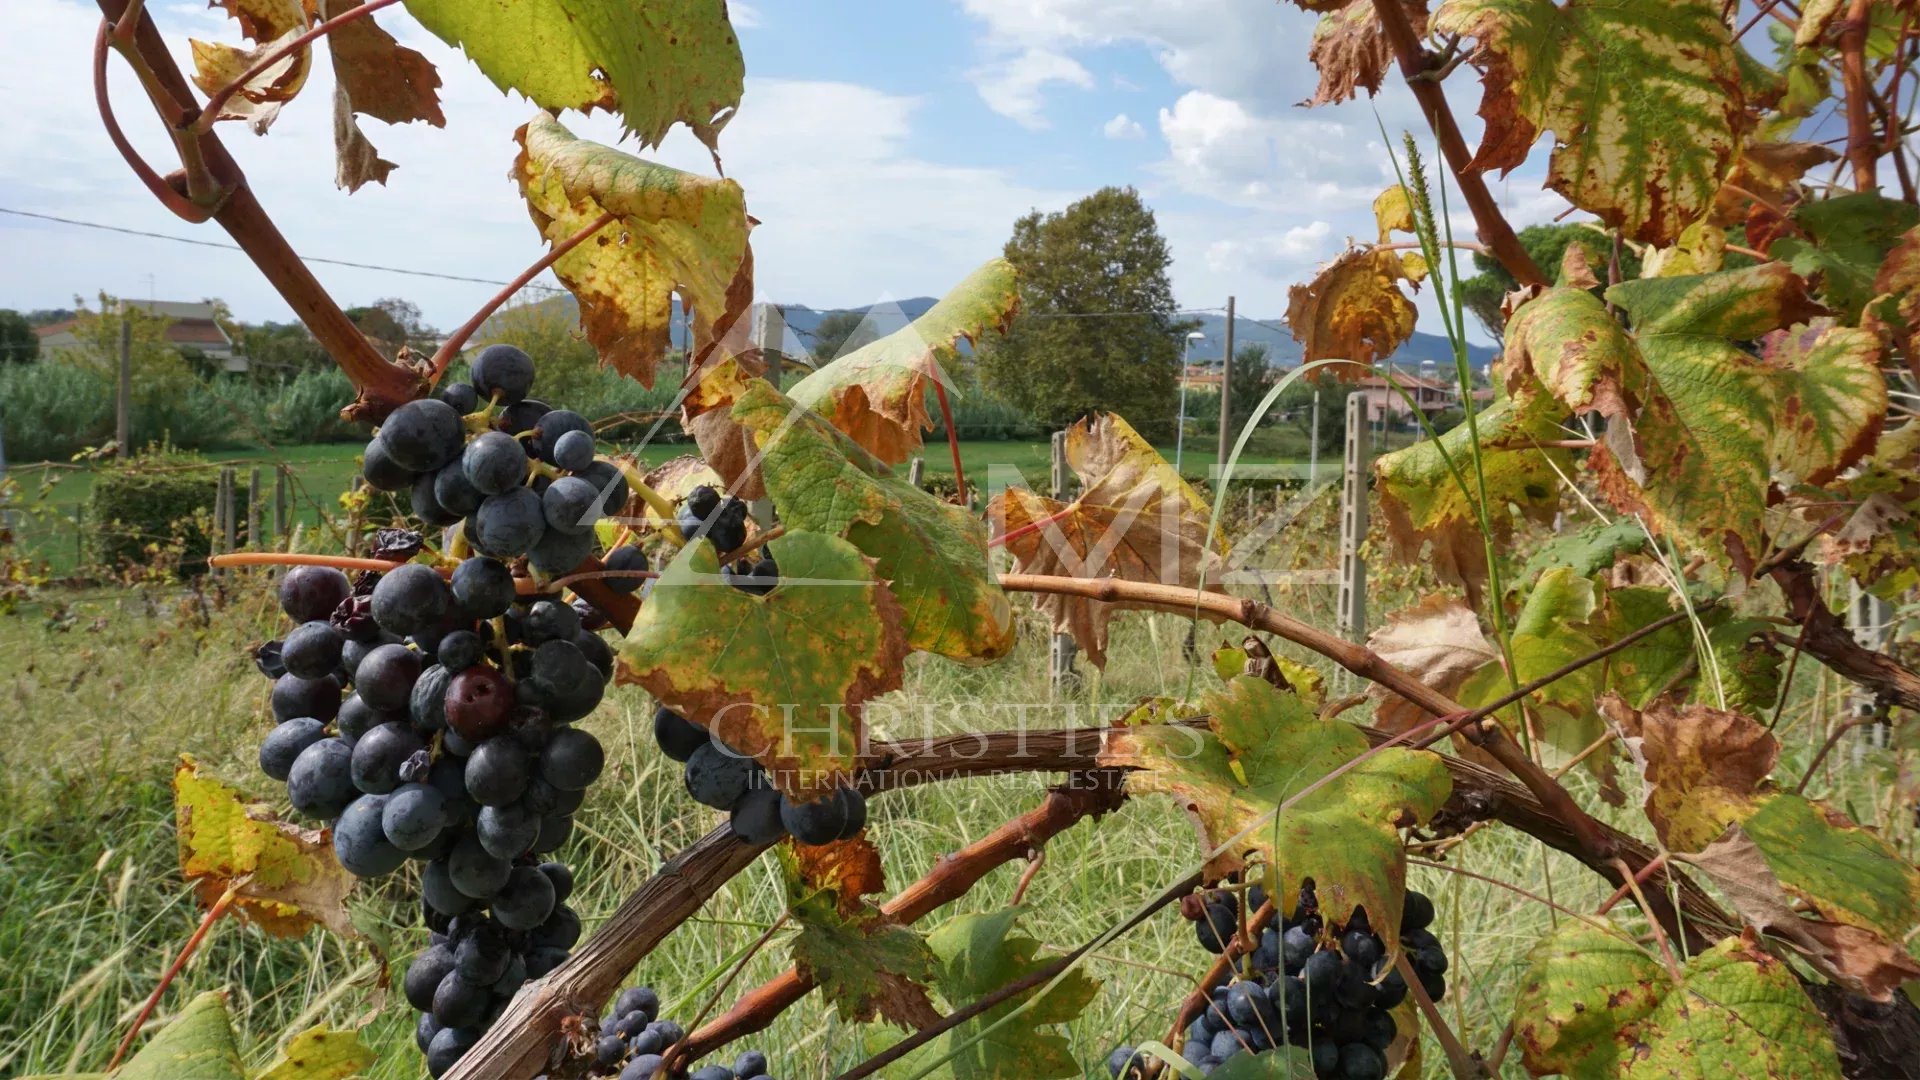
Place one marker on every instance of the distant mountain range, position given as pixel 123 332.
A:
pixel 888 316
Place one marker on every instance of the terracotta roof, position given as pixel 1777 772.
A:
pixel 196 332
pixel 60 327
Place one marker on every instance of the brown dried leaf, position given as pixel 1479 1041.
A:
pixel 355 160
pixel 1136 520
pixel 1352 310
pixel 1439 642
pixel 849 869
pixel 381 77
pixel 1351 53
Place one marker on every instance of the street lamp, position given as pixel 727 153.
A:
pixel 1180 432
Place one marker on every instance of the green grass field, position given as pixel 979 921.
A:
pixel 49 497
pixel 102 691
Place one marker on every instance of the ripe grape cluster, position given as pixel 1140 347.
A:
pixel 724 777
pixel 515 476
pixel 718 776
pixel 429 718
pixel 634 1041
pixel 1327 988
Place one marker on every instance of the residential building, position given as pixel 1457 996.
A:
pixel 192 326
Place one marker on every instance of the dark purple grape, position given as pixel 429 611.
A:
pixel 312 592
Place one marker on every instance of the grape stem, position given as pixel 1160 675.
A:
pixel 211 113
pixel 219 908
pixel 451 347
pixel 953 437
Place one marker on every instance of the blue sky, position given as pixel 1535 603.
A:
pixel 886 148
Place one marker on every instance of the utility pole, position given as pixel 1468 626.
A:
pixel 1226 397
pixel 123 397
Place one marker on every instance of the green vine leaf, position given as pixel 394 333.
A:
pixel 1847 240
pixel 1587 552
pixel 199 1044
pixel 782 676
pixel 674 231
pixel 1264 747
pixel 878 393
pixel 1583 986
pixel 1427 510
pixel 1136 520
pixel 1594 1004
pixel 865 963
pixel 978 955
pixel 669 61
pixel 320 1053
pixel 1832 398
pixel 285 878
pixel 1643 98
pixel 932 554
pixel 1804 870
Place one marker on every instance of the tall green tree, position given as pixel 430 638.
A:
pixel 839 333
pixel 1248 381
pixel 18 343
pixel 1103 259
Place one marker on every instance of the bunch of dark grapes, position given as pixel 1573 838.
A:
pixel 1328 989
pixel 515 476
pixel 429 720
pixel 634 1040
pixel 718 775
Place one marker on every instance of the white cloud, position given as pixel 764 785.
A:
pixel 745 16
pixel 1218 148
pixel 849 211
pixel 1225 46
pixel 1274 255
pixel 1123 126
pixel 1013 86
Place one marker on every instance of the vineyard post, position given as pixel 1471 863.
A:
pixel 280 502
pixel 1226 398
pixel 916 471
pixel 1870 618
pixel 1353 523
pixel 256 517
pixel 1313 443
pixel 1060 657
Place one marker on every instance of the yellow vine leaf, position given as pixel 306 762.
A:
pixel 673 231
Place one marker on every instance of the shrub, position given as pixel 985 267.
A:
pixel 161 496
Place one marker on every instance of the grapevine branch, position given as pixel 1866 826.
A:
pixel 1863 146
pixel 1828 640
pixel 1357 659
pixel 518 1046
pixel 382 386
pixel 950 879
pixel 1495 231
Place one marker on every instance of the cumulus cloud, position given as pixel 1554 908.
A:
pixel 1123 126
pixel 1217 147
pixel 1281 255
pixel 1014 86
